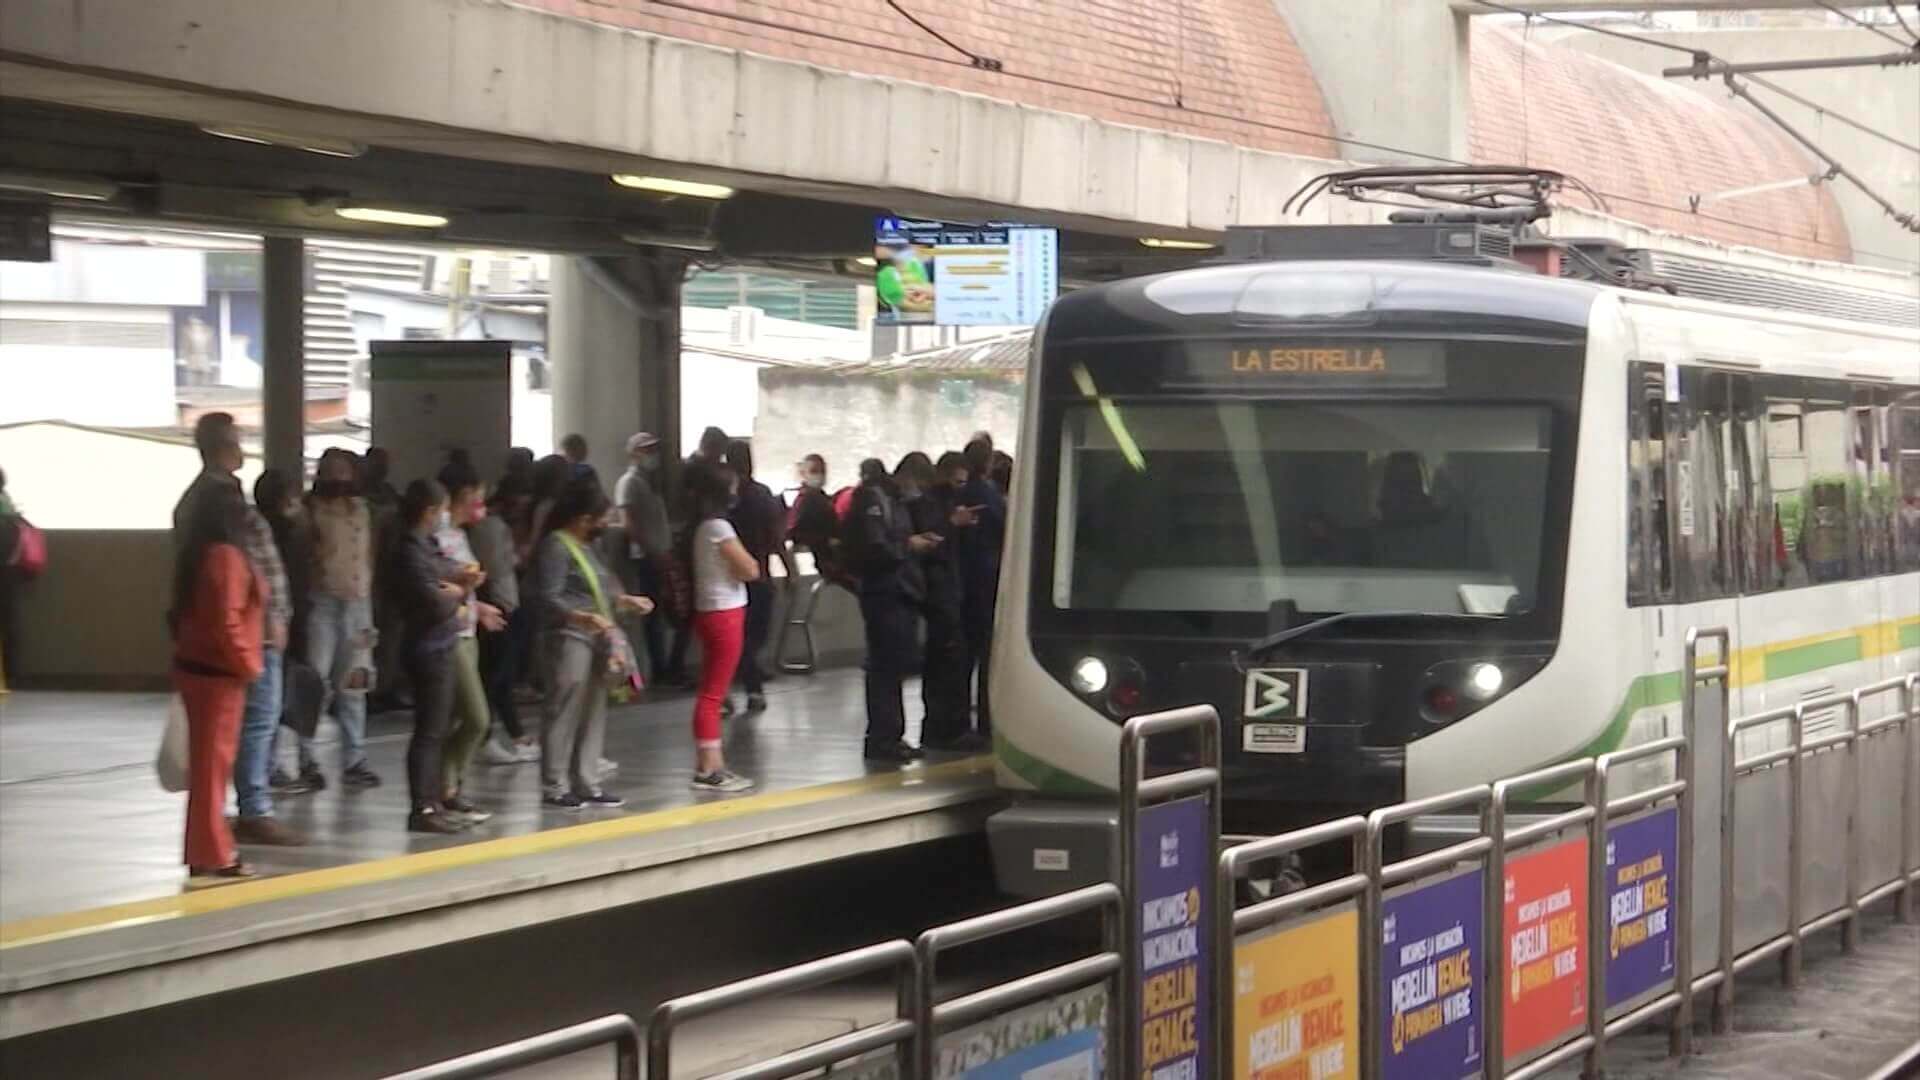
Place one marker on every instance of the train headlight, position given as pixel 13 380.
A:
pixel 1484 681
pixel 1090 675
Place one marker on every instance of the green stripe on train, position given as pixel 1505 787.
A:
pixel 1044 777
pixel 1910 636
pixel 1787 663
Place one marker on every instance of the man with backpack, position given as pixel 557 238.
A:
pixel 877 542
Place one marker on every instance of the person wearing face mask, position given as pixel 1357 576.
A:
pixel 428 607
pixel 580 600
pixel 459 566
pixel 340 633
pixel 722 569
pixel 812 523
pixel 937 510
pixel 755 516
pixel 649 538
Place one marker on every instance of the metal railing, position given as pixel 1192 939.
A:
pixel 618 1029
pixel 1138 792
pixel 799 614
pixel 935 1016
pixel 897 956
pixel 1872 874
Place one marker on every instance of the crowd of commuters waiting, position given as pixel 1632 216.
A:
pixel 450 595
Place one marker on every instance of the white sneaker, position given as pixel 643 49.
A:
pixel 608 766
pixel 498 753
pixel 526 753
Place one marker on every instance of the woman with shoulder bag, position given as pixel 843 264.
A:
pixel 219 622
pixel 585 653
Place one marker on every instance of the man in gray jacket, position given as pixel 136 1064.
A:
pixel 648 539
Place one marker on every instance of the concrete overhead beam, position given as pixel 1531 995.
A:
pixel 485 74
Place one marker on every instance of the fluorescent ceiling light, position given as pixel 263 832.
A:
pixel 60 187
pixel 382 216
pixel 867 261
pixel 312 144
pixel 1175 245
pixel 666 185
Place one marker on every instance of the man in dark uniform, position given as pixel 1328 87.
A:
pixel 980 567
pixel 944 688
pixel 881 540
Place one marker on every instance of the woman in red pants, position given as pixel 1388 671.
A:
pixel 721 569
pixel 218 618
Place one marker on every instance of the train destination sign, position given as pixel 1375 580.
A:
pixel 1314 365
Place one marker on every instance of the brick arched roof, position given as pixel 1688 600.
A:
pixel 1646 144
pixel 1223 69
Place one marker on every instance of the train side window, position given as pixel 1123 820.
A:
pixel 1751 502
pixel 1904 426
pixel 1828 506
pixel 1698 448
pixel 1786 477
pixel 1649 572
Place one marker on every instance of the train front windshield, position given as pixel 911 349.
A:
pixel 1185 499
pixel 1233 506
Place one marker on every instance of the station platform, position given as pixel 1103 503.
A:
pixel 94 923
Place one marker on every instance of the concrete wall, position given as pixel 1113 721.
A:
pixel 848 418
pixel 97 618
pixel 1884 98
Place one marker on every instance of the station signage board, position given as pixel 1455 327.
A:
pixel 1544 933
pixel 1173 871
pixel 1296 1000
pixel 1431 979
pixel 1642 858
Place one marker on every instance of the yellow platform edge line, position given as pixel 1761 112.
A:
pixel 42 929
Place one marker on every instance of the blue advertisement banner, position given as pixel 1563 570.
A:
pixel 1173 868
pixel 1642 857
pixel 1431 974
pixel 1073 1056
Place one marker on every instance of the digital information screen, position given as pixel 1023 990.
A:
pixel 944 274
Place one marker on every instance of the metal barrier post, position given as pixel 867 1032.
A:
pixel 1381 876
pixel 1790 960
pixel 1136 792
pixel 932 1016
pixel 618 1029
pixel 1497 966
pixel 896 955
pixel 1686 764
pixel 803 620
pixel 1233 921
pixel 1600 923
pixel 1850 930
pixel 1909 799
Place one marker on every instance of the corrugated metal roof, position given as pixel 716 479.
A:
pixel 1002 355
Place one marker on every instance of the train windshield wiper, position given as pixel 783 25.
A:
pixel 1281 637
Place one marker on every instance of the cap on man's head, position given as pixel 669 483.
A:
pixel 645 440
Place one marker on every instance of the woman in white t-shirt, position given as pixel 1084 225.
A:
pixel 721 569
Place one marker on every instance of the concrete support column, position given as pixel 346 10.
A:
pixel 613 338
pixel 283 370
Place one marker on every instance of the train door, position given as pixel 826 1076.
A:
pixel 1899 592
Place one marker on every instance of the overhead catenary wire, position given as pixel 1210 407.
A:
pixel 1894 6
pixel 1823 111
pixel 1865 25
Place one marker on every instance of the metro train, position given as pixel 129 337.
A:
pixel 1416 524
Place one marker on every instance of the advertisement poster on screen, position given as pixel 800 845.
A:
pixel 1062 1038
pixel 949 274
pixel 1173 872
pixel 1296 1000
pixel 1642 854
pixel 1430 979
pixel 1544 932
